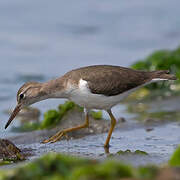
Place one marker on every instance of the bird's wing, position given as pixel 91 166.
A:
pixel 112 82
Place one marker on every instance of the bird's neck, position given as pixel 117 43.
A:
pixel 55 88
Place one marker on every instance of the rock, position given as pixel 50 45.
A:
pixel 149 129
pixel 122 119
pixel 9 152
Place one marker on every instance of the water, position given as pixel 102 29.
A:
pixel 158 137
pixel 41 39
pixel 159 144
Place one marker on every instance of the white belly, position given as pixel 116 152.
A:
pixel 83 97
pixel 93 101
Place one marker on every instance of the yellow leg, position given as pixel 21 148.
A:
pixel 113 123
pixel 62 133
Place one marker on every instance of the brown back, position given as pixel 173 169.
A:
pixel 109 80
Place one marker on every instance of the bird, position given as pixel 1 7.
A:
pixel 92 87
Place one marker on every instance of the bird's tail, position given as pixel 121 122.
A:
pixel 163 75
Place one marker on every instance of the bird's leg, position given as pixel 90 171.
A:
pixel 113 123
pixel 62 133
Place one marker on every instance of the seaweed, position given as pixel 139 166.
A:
pixel 66 167
pixel 175 158
pixel 59 166
pixel 128 152
pixel 142 112
pixel 147 172
pixel 54 116
pixel 96 114
pixel 161 60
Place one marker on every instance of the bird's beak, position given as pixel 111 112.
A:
pixel 13 115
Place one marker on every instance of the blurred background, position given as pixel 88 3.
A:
pixel 41 40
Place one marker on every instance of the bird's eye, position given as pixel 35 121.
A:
pixel 21 96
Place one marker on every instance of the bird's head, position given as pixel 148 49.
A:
pixel 28 94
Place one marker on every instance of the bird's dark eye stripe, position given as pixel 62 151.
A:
pixel 21 96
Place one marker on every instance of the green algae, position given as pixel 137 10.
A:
pixel 107 170
pixel 142 112
pixel 96 114
pixel 139 95
pixel 140 152
pixel 159 60
pixel 175 158
pixel 167 115
pixel 128 152
pixel 53 117
pixel 59 166
pixel 27 126
pixel 147 172
pixel 66 167
pixel 145 94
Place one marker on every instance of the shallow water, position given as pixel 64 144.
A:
pixel 159 144
pixel 157 137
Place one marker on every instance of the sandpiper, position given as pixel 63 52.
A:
pixel 92 87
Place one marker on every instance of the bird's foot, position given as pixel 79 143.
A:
pixel 64 132
pixel 106 148
pixel 56 137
